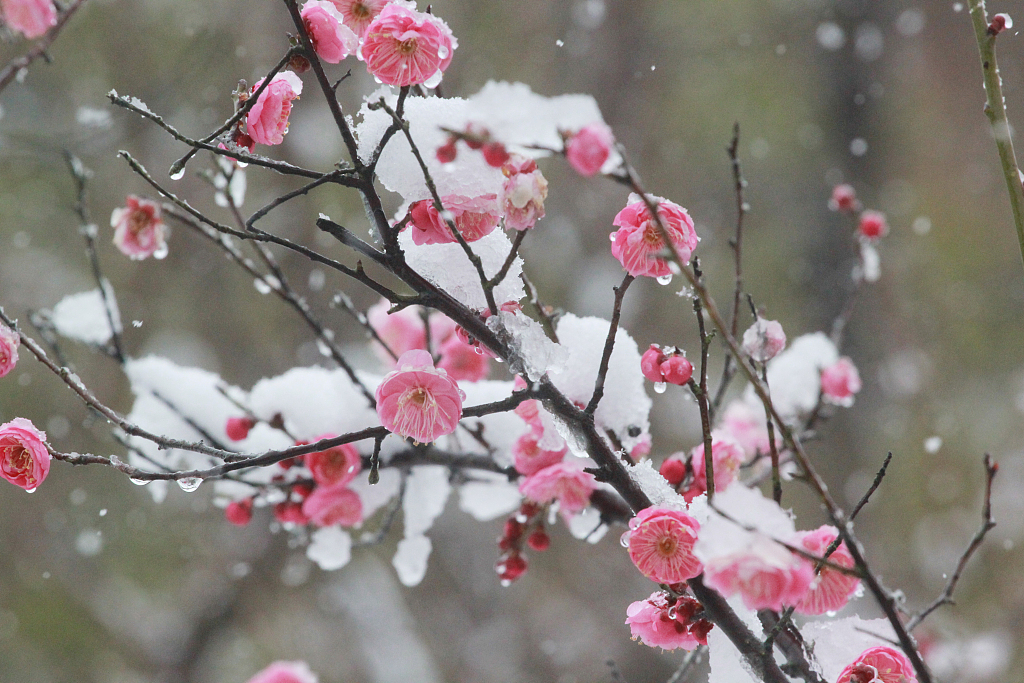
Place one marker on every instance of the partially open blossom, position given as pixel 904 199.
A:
pixel 674 470
pixel 332 39
pixel 330 505
pixel 844 198
pixel 881 664
pixel 662 365
pixel 336 466
pixel 405 47
pixel 589 148
pixel 661 544
pixel 726 457
pixel 660 621
pixel 638 242
pixel 831 590
pixel 238 428
pixel 139 230
pixel 285 672
pixel 267 120
pixel 763 340
pixel 474 217
pixel 531 458
pixel 418 401
pixel 840 381
pixel 239 512
pixel 523 194
pixel 873 225
pixel 32 18
pixel 766 575
pixel 565 482
pixel 9 341
pixel 999 23
pixel 462 361
pixel 24 459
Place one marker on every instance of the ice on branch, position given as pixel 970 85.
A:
pixel 656 487
pixel 426 492
pixel 795 375
pixel 539 354
pixel 83 316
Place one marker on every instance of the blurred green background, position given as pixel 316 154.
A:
pixel 99 584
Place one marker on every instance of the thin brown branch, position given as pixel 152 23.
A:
pixel 17 65
pixel 609 346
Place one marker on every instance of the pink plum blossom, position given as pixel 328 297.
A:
pixel 474 217
pixel 336 466
pixel 139 230
pixel 764 340
pixel 418 401
pixel 332 39
pixel 668 624
pixel 462 361
pixel 638 241
pixel 24 458
pixel 267 120
pixel 873 225
pixel 844 198
pixel 565 482
pixel 357 14
pixel 405 47
pixel 589 148
pixel 9 341
pixel 32 18
pixel 661 544
pixel 831 590
pixel 766 575
pixel 285 672
pixel 748 426
pixel 881 664
pixel 531 458
pixel 523 194
pixel 726 457
pixel 664 365
pixel 336 504
pixel 840 381
pixel 402 330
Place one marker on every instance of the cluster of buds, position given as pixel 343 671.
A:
pixel 476 137
pixel 669 620
pixel 524 529
pixel 661 365
pixel 871 224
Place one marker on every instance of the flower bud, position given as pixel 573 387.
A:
pixel 677 370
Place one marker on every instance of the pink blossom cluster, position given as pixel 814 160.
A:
pixel 831 589
pixel 417 400
pixel 31 18
pixel 871 225
pixel 139 230
pixel 523 193
pixel 765 574
pixel 726 457
pixel 9 341
pixel 267 119
pixel 668 622
pixel 525 529
pixel 638 244
pixel 24 458
pixel 662 365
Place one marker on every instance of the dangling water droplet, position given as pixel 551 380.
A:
pixel 189 484
pixel 161 252
pixel 660 387
pixel 665 279
pixel 138 482
pixel 674 267
pixel 611 236
pixel 178 175
pixel 624 539
pixel 442 51
pixel 505 583
pixel 31 490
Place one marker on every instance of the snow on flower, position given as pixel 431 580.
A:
pixel 332 39
pixel 530 458
pixel 357 14
pixel 24 459
pixel 831 589
pixel 638 241
pixel 589 148
pixel 523 193
pixel 726 455
pixel 32 18
pixel 764 340
pixel 661 544
pixel 881 664
pixel 336 466
pixel 139 230
pixel 565 482
pixel 267 120
pixel 405 47
pixel 285 672
pixel 840 381
pixel 330 505
pixel 474 217
pixel 766 575
pixel 9 341
pixel 668 623
pixel 418 401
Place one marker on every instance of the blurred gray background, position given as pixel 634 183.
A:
pixel 885 95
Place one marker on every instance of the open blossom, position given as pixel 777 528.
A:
pixel 523 194
pixel 474 217
pixel 24 459
pixel 831 590
pixel 668 623
pixel 840 381
pixel 32 18
pixel 661 544
pixel 139 230
pixel 638 241
pixel 764 340
pixel 357 14
pixel 285 672
pixel 267 120
pixel 336 504
pixel 336 466
pixel 589 148
pixel 726 457
pixel 9 341
pixel 881 664
pixel 405 47
pixel 531 458
pixel 332 39
pixel 766 575
pixel 418 401
pixel 565 482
